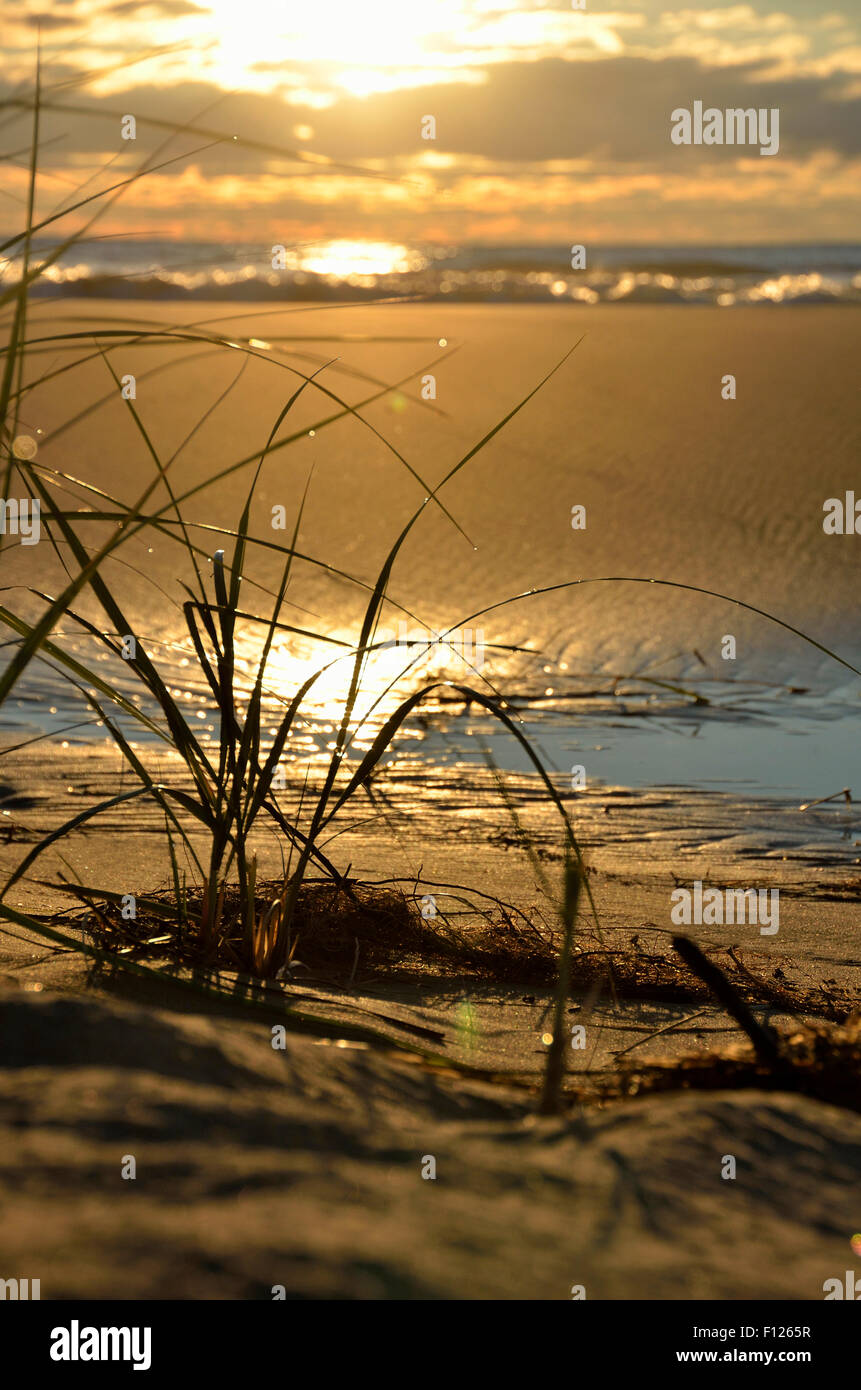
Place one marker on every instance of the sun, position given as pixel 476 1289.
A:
pixel 358 45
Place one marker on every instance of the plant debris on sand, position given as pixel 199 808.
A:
pixel 342 932
pixel 823 1061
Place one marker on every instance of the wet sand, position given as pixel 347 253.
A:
pixel 677 482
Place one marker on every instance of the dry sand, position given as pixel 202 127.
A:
pixel 302 1167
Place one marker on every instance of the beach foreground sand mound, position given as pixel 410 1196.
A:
pixel 302 1167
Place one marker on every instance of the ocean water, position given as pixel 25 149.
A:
pixel 726 276
pixel 737 736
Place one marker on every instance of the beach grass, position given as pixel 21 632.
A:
pixel 231 786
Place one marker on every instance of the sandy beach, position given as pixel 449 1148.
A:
pixel 302 1167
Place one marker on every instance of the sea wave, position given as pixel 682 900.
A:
pixel 726 277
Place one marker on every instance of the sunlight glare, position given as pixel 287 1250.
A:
pixel 336 34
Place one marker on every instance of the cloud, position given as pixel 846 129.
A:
pixel 48 21
pixel 528 145
pixel 168 9
pixel 617 109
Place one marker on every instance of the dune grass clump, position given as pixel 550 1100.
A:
pixel 343 934
pixel 230 787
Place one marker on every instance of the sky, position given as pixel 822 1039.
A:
pixel 552 124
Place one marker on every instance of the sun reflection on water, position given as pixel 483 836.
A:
pixel 395 668
pixel 343 259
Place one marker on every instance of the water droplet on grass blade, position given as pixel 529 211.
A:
pixel 24 447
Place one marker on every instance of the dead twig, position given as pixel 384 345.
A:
pixel 764 1039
